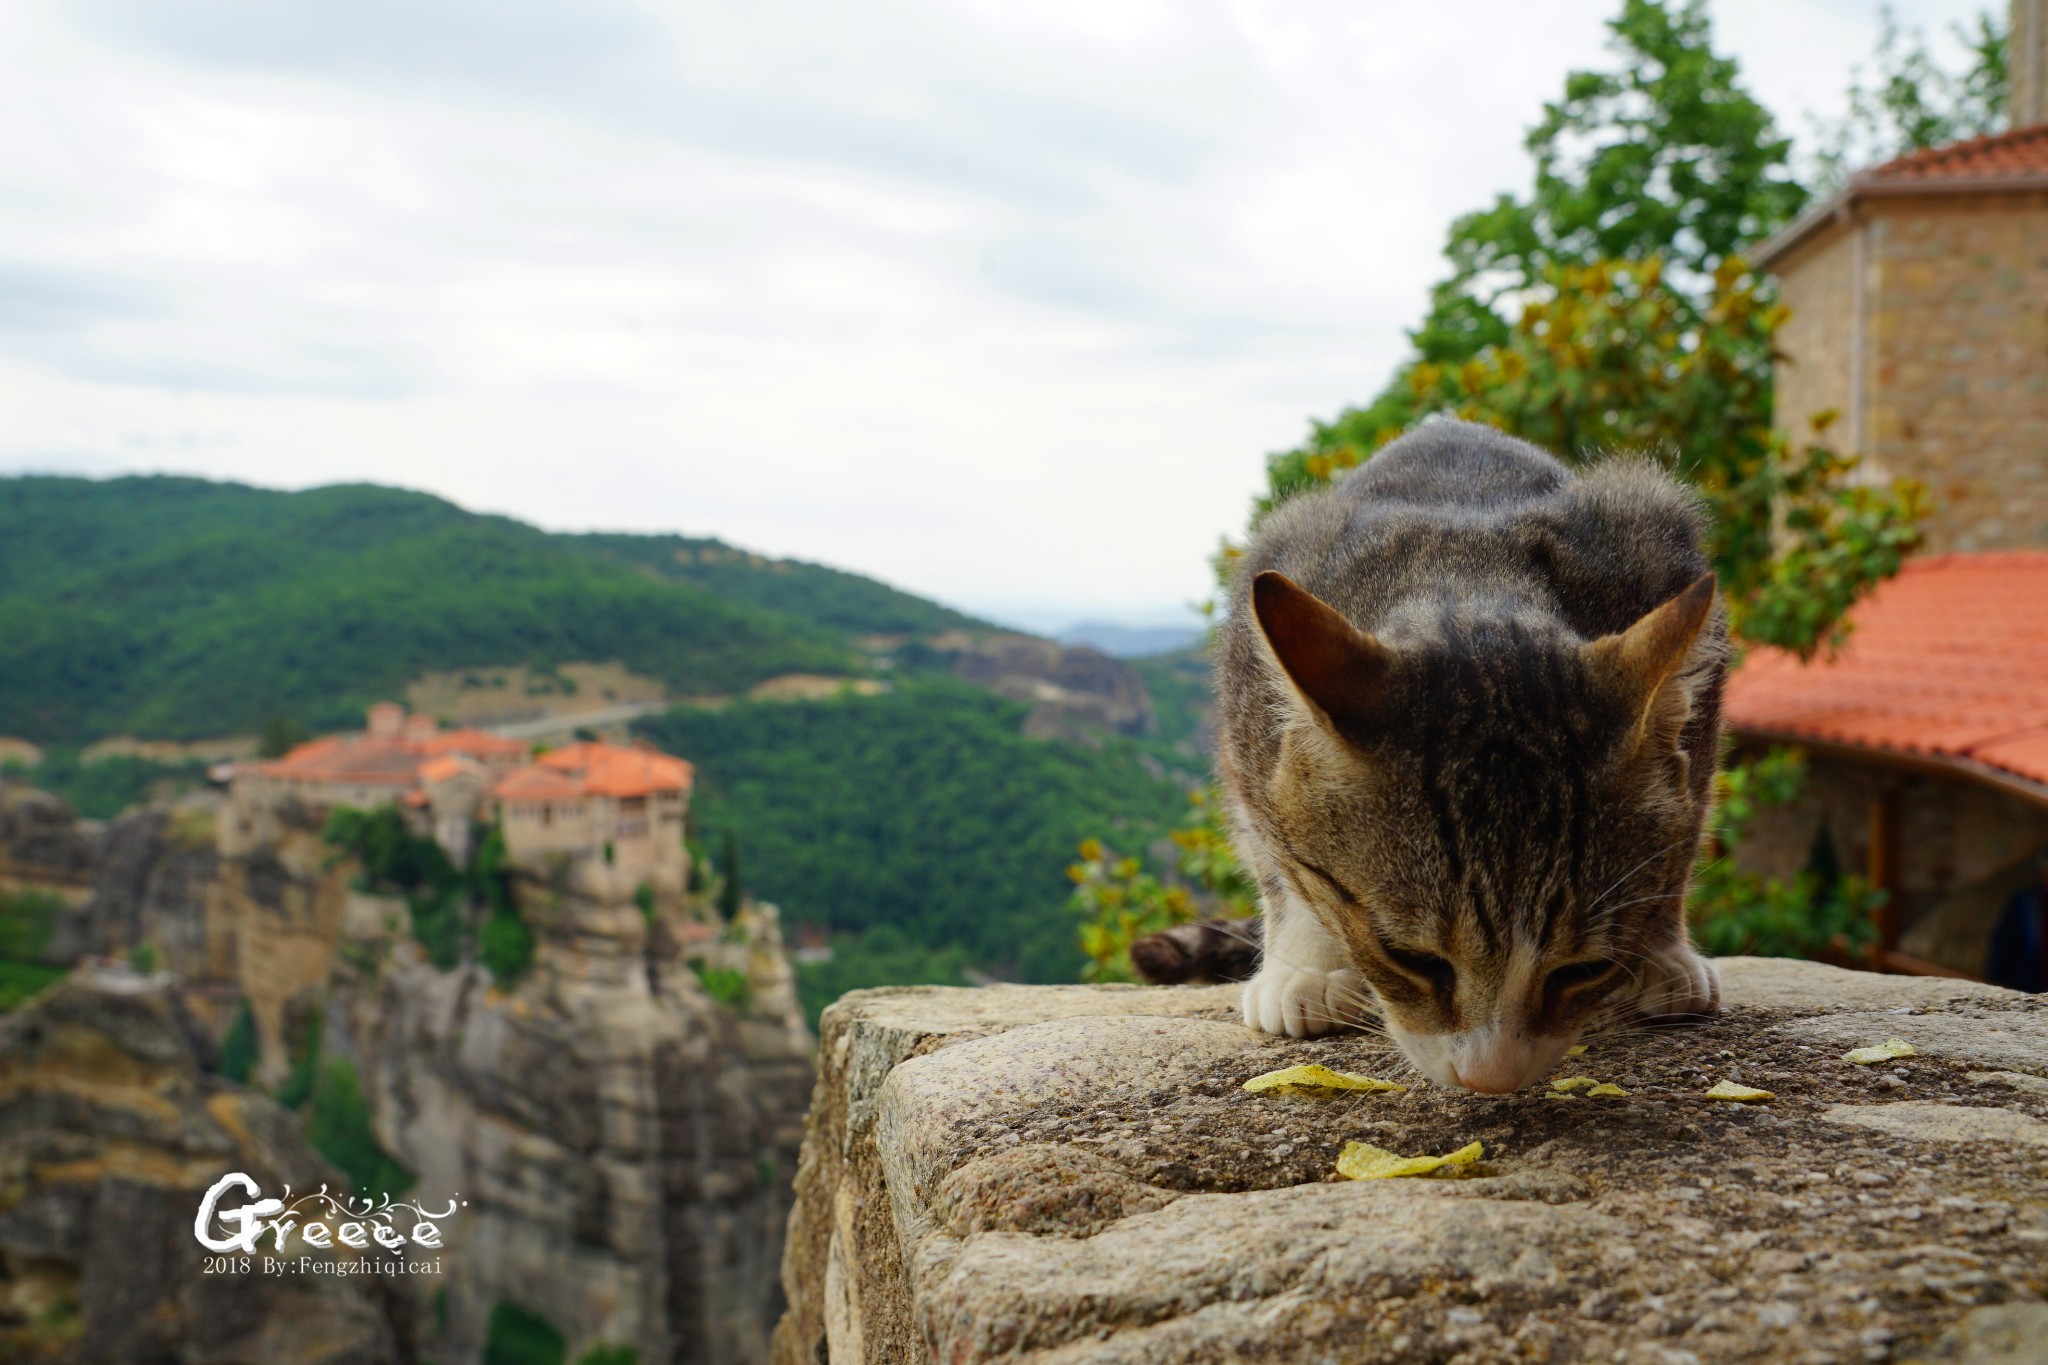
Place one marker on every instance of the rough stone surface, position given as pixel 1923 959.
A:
pixel 623 1143
pixel 110 1134
pixel 1068 1175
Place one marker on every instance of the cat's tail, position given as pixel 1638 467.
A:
pixel 1208 950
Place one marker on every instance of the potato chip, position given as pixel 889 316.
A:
pixel 1607 1090
pixel 1362 1161
pixel 1891 1049
pixel 1575 1050
pixel 1314 1077
pixel 1571 1083
pixel 1741 1094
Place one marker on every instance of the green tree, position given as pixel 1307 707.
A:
pixel 1611 309
pixel 732 894
pixel 1908 101
pixel 1613 356
pixel 1664 156
pixel 280 735
pixel 520 1336
pixel 238 1048
pixel 338 1125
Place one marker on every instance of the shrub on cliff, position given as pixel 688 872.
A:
pixel 338 1124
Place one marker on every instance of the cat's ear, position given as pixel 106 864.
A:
pixel 1341 671
pixel 1645 661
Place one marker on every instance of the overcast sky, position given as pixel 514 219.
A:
pixel 1003 303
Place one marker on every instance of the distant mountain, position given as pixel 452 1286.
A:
pixel 1131 642
pixel 178 607
pixel 920 821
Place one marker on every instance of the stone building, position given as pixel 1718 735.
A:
pixel 407 760
pixel 1928 742
pixel 1918 337
pixel 625 804
pixel 1918 301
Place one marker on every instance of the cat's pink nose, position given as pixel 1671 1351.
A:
pixel 1490 1077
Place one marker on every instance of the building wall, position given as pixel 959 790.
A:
pixel 646 839
pixel 1954 360
pixel 1817 287
pixel 1962 847
pixel 2027 60
pixel 1958 338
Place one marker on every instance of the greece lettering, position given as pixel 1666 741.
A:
pixel 319 1221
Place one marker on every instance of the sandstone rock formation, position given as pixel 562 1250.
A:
pixel 1073 1174
pixel 1071 691
pixel 152 874
pixel 110 1133
pixel 43 842
pixel 624 1143
pixel 624 1140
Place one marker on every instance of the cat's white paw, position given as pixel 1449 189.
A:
pixel 1678 982
pixel 1301 1002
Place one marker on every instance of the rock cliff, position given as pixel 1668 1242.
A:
pixel 1071 691
pixel 623 1141
pixel 112 1132
pixel 623 1122
pixel 1070 1174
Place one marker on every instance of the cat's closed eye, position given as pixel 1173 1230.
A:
pixel 1428 966
pixel 1574 974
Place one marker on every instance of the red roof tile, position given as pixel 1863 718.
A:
pixel 2023 152
pixel 362 759
pixel 349 759
pixel 535 783
pixel 479 744
pixel 597 769
pixel 1949 660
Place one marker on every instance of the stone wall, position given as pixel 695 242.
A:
pixel 1959 362
pixel 1070 1174
pixel 1954 355
pixel 1817 285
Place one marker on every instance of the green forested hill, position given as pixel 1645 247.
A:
pixel 177 607
pixel 919 825
pixel 828 597
pixel 922 813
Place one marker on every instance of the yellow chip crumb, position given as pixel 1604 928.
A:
pixel 1560 1095
pixel 1607 1090
pixel 1314 1077
pixel 1575 1050
pixel 1571 1083
pixel 1362 1161
pixel 1889 1050
pixel 1742 1094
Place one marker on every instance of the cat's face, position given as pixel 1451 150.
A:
pixel 1495 824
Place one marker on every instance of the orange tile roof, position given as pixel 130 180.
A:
pixel 479 744
pixel 350 759
pixel 442 768
pixel 2023 152
pixel 598 769
pixel 1947 661
pixel 2013 162
pixel 360 760
pixel 535 783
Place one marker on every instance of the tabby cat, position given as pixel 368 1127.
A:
pixel 1470 710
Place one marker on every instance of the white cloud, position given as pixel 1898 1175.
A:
pixel 1001 302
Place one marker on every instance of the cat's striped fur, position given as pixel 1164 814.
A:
pixel 1470 709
